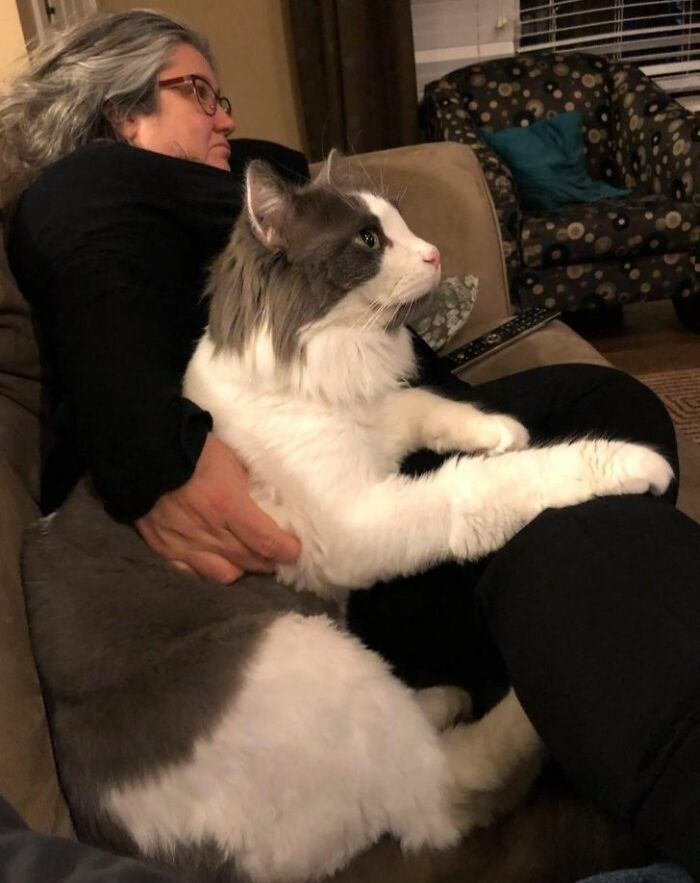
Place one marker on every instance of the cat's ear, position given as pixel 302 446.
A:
pixel 268 202
pixel 328 173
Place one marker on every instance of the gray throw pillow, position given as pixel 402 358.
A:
pixel 440 315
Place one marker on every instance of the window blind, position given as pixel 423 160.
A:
pixel 662 37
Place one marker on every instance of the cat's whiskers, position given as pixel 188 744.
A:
pixel 380 314
pixel 402 193
pixel 376 313
pixel 372 318
pixel 407 312
pixel 348 198
pixel 363 169
pixel 366 320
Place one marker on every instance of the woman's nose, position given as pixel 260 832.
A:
pixel 432 256
pixel 224 121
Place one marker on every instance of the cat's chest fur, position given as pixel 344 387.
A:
pixel 311 438
pixel 315 432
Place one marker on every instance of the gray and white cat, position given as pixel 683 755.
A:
pixel 243 734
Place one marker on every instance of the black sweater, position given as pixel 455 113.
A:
pixel 111 247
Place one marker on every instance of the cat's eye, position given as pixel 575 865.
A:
pixel 369 237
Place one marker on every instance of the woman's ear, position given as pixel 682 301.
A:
pixel 126 127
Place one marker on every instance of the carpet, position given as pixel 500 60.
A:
pixel 680 392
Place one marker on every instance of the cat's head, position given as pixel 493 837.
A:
pixel 303 259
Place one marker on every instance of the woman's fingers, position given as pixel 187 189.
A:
pixel 212 566
pixel 213 526
pixel 259 533
pixel 199 545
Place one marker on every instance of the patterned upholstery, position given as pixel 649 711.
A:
pixel 641 247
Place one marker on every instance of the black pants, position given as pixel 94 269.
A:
pixel 591 612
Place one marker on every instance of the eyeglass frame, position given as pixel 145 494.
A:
pixel 220 101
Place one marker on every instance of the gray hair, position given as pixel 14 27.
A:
pixel 82 82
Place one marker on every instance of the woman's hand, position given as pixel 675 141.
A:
pixel 212 526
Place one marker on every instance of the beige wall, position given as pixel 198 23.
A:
pixel 249 41
pixel 12 48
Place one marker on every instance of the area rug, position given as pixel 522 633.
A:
pixel 680 392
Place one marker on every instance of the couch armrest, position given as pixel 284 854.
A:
pixel 657 139
pixel 445 200
pixel 27 772
pixel 20 382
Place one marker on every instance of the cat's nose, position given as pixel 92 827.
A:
pixel 432 256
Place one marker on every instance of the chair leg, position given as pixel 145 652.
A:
pixel 596 322
pixel 688 311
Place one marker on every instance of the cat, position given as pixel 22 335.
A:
pixel 243 734
pixel 304 368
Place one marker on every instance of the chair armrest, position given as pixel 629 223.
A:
pixel 20 381
pixel 445 200
pixel 27 772
pixel 446 117
pixel 649 125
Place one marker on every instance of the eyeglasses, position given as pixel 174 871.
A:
pixel 208 99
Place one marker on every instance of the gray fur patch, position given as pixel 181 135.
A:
pixel 298 282
pixel 137 660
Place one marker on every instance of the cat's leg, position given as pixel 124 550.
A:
pixel 443 706
pixel 494 762
pixel 470 507
pixel 495 498
pixel 418 418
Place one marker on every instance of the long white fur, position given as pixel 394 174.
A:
pixel 323 751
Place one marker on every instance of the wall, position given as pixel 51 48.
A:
pixel 255 60
pixel 449 34
pixel 12 48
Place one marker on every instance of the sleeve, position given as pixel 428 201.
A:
pixel 116 288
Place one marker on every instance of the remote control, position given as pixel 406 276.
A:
pixel 501 336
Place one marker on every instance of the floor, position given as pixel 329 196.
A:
pixel 651 339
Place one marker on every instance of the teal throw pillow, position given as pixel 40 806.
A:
pixel 547 161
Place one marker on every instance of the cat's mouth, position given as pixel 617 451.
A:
pixel 410 310
pixel 422 305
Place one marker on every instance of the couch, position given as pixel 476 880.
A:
pixel 642 246
pixel 446 199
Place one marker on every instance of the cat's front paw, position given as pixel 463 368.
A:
pixel 503 433
pixel 643 470
pixel 458 426
pixel 444 705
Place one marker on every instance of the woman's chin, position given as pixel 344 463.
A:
pixel 220 163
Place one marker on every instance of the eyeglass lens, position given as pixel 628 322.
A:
pixel 209 99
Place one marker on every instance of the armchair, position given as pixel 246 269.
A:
pixel 642 246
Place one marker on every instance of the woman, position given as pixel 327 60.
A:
pixel 137 209
pixel 138 190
